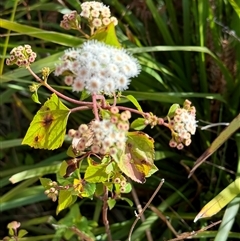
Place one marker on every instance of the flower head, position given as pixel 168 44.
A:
pixel 183 124
pixel 102 136
pixel 99 67
pixel 97 14
pixel 21 56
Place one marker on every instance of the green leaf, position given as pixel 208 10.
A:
pixel 128 188
pixel 138 124
pixel 65 200
pixel 96 173
pixel 137 162
pixel 35 172
pixel 45 182
pixel 107 35
pixel 48 127
pixel 110 167
pixel 84 95
pixel 135 102
pixel 50 36
pixel 128 201
pixel 220 201
pixel 88 190
pixel 224 135
pixel 99 189
pixel 10 232
pixel 172 110
pixel 63 168
pixel 111 203
pixel 235 6
pixel 22 233
pixel 35 97
pixel 70 151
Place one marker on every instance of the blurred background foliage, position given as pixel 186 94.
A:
pixel 188 50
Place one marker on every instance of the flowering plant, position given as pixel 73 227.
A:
pixel 115 148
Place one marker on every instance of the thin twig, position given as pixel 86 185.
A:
pixel 95 106
pixel 80 234
pixel 188 235
pixel 139 208
pixel 56 92
pixel 79 108
pixel 104 214
pixel 145 207
pixel 164 219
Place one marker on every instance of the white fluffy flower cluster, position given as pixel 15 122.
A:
pixel 97 14
pixel 183 125
pixel 101 136
pixel 98 68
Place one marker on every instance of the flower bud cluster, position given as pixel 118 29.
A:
pixel 152 120
pixel 97 14
pixel 52 192
pixel 122 182
pixel 183 125
pixel 102 136
pixel 21 56
pixel 98 68
pixel 71 21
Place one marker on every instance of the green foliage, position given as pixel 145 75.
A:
pixel 48 127
pixel 107 35
pixel 187 49
pixel 137 162
pixel 138 124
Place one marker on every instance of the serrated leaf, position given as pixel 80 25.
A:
pixel 172 110
pixel 48 127
pixel 96 173
pixel 135 102
pixel 220 201
pixel 138 124
pixel 65 200
pixel 35 97
pixel 128 201
pixel 111 203
pixel 107 35
pixel 22 233
pixel 137 161
pixel 45 182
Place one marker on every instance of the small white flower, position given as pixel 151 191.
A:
pixel 97 22
pixel 83 73
pixel 68 80
pixel 106 21
pixel 78 85
pixel 85 13
pixel 94 85
pixel 122 82
pixel 105 12
pixel 95 13
pixel 114 20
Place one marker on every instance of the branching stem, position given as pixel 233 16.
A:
pixel 104 214
pixel 138 216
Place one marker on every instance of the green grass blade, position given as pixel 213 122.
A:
pixel 36 172
pixel 50 36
